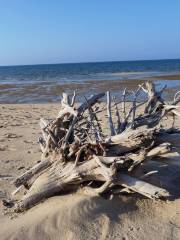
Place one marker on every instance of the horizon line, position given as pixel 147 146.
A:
pixel 34 64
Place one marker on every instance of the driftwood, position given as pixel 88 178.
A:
pixel 78 154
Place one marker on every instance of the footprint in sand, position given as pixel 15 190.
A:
pixel 15 125
pixel 3 147
pixel 27 141
pixel 12 135
pixel 6 176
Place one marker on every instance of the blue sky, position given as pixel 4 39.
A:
pixel 57 31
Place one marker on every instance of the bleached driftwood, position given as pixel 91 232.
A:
pixel 76 151
pixel 39 167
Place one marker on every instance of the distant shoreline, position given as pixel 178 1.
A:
pixel 90 62
pixel 45 83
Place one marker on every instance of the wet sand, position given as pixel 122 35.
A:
pixel 50 91
pixel 167 77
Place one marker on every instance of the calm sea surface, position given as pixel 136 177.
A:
pixel 45 83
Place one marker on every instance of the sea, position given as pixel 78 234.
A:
pixel 45 83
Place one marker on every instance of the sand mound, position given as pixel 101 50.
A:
pixel 81 217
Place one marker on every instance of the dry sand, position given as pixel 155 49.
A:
pixel 72 216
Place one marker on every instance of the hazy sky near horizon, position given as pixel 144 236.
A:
pixel 57 31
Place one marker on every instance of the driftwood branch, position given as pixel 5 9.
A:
pixel 76 149
pixel 111 125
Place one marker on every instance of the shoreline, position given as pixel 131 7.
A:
pixel 166 77
pixel 50 92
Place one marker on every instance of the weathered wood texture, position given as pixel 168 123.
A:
pixel 76 149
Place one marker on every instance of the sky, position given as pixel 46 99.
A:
pixel 62 31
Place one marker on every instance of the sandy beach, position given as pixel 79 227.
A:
pixel 72 216
pixel 89 120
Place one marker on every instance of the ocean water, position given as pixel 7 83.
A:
pixel 45 83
